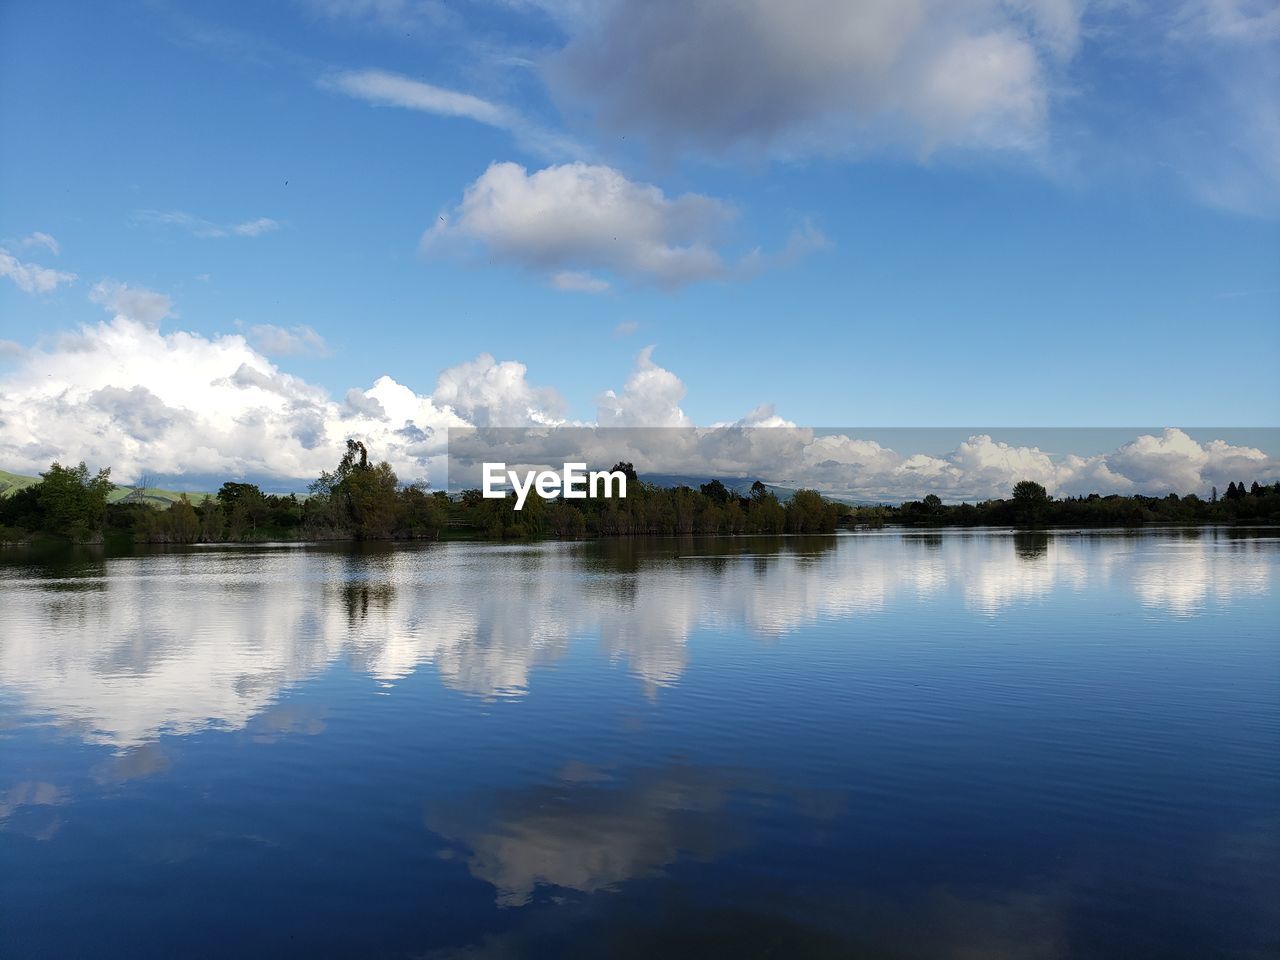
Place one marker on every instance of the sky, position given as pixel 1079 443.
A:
pixel 232 235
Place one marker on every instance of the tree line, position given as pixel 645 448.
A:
pixel 1031 506
pixel 363 500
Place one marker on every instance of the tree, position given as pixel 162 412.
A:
pixel 244 503
pixel 213 520
pixel 625 467
pixel 715 491
pixel 184 525
pixel 421 515
pixel 1030 501
pixel 1028 491
pixel 73 503
pixel 141 488
pixel 807 512
pixel 370 494
pixel 359 497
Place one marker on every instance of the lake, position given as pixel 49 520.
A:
pixel 969 744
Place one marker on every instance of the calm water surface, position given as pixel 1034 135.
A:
pixel 876 745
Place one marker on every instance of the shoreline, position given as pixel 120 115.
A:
pixel 121 543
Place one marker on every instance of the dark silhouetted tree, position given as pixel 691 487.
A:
pixel 715 491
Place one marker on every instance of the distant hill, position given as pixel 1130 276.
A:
pixel 11 483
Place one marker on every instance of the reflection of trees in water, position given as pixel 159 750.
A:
pixel 64 566
pixel 1031 544
pixel 356 598
pixel 180 641
pixel 932 541
pixel 716 554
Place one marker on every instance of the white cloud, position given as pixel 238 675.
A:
pixel 30 277
pixel 10 348
pixel 625 329
pixel 133 303
pixel 1081 88
pixel 219 659
pixel 1248 21
pixel 300 340
pixel 486 392
pixel 390 89
pixel 125 394
pixel 396 15
pixel 651 398
pixel 1174 462
pixel 578 282
pixel 1201 98
pixel 40 239
pixel 572 219
pixel 200 227
pixel 385 89
pixel 820 74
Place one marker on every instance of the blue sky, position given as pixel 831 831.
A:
pixel 1065 215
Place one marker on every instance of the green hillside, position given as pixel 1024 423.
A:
pixel 13 482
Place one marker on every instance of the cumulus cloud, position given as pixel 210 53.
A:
pixel 200 227
pixel 765 446
pixel 819 74
pixel 296 341
pixel 124 393
pixel 1187 89
pixel 486 392
pixel 133 303
pixel 1174 462
pixel 982 467
pixel 651 398
pixel 31 277
pixel 40 239
pixel 573 219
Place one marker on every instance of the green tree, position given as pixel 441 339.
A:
pixel 370 495
pixel 715 491
pixel 72 502
pixel 1028 491
pixel 184 525
pixel 1030 502
pixel 359 498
